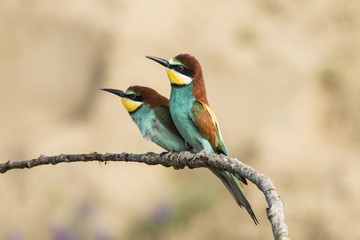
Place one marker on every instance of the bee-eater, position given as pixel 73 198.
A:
pixel 150 112
pixel 196 122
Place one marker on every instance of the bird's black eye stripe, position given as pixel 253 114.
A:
pixel 183 70
pixel 134 97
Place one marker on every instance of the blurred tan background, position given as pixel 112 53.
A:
pixel 282 78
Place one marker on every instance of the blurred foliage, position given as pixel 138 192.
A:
pixel 330 79
pixel 165 218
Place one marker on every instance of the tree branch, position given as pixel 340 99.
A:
pixel 179 160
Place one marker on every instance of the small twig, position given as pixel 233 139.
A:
pixel 179 160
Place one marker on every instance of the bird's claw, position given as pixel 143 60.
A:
pixel 202 152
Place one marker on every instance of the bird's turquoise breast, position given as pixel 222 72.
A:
pixel 181 102
pixel 153 130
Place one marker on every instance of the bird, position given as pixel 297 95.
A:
pixel 195 120
pixel 150 111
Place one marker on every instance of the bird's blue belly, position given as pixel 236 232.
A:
pixel 181 102
pixel 153 130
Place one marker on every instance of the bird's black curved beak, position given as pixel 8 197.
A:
pixel 163 62
pixel 114 91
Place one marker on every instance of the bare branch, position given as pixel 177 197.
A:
pixel 179 160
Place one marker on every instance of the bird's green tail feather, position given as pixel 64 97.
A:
pixel 234 187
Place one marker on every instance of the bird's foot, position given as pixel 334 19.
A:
pixel 189 148
pixel 202 152
pixel 163 153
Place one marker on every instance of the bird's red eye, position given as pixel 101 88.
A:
pixel 180 68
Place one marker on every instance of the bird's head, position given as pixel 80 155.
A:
pixel 182 69
pixel 135 96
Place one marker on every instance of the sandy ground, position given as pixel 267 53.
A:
pixel 281 76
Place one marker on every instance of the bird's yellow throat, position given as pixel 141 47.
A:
pixel 130 105
pixel 177 78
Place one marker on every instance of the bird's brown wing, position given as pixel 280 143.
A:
pixel 205 119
